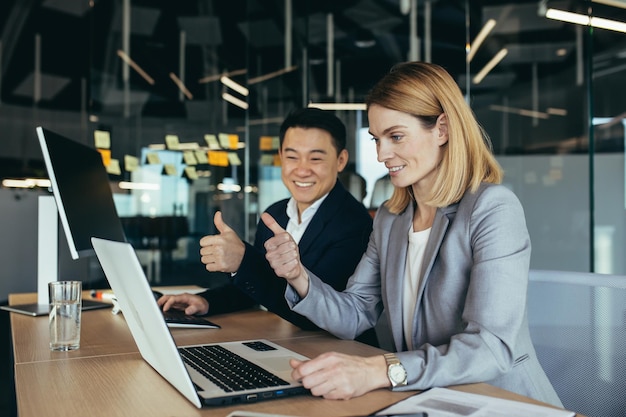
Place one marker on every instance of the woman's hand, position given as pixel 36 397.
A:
pixel 284 256
pixel 336 376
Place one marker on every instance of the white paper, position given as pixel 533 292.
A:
pixel 444 402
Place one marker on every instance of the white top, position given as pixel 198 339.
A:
pixel 412 278
pixel 295 229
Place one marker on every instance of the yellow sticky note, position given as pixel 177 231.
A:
pixel 169 169
pixel 102 139
pixel 233 141
pixel 218 158
pixel 131 163
pixel 211 141
pixel 190 158
pixel 106 156
pixel 233 158
pixel 269 143
pixel 190 172
pixel 153 158
pixel 277 161
pixel 114 167
pixel 171 141
pixel 201 157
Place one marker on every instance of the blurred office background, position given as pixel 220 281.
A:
pixel 143 81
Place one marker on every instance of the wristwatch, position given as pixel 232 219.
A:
pixel 395 371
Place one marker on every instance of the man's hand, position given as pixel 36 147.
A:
pixel 336 376
pixel 189 303
pixel 284 256
pixel 222 252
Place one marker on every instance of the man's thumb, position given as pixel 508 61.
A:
pixel 271 223
pixel 219 223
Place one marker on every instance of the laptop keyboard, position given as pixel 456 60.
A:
pixel 228 370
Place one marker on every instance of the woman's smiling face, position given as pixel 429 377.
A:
pixel 410 152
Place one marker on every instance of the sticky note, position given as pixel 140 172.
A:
pixel 211 141
pixel 106 156
pixel 171 141
pixel 114 167
pixel 102 139
pixel 131 163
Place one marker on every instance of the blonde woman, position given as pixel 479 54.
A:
pixel 448 258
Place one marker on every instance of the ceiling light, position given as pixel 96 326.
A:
pixel 181 86
pixel 561 52
pixel 125 185
pixel 229 188
pixel 489 25
pixel 364 39
pixel 233 85
pixel 585 20
pixel 265 121
pixel 556 111
pixel 615 3
pixel 364 43
pixel 134 66
pixel 26 183
pixel 490 65
pixel 267 76
pixel 339 106
pixel 521 112
pixel 211 78
pixel 234 100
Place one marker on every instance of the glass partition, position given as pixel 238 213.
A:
pixel 185 100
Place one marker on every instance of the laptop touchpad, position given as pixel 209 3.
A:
pixel 280 364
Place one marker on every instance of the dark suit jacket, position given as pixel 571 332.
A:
pixel 331 246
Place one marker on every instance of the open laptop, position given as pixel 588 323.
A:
pixel 157 347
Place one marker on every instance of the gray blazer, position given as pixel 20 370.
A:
pixel 470 322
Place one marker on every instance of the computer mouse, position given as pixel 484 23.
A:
pixel 157 294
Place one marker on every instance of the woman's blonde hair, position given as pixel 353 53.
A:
pixel 426 91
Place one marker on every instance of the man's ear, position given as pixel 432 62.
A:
pixel 442 126
pixel 342 160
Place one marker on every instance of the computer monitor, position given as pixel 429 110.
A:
pixel 82 192
pixel 83 199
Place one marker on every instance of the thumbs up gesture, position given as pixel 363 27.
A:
pixel 284 257
pixel 222 252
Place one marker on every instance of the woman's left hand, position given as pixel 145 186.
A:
pixel 336 376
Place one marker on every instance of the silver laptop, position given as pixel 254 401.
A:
pixel 157 347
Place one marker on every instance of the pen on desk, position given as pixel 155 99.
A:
pixel 102 295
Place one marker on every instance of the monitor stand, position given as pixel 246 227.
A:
pixel 47 260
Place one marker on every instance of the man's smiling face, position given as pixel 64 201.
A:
pixel 310 164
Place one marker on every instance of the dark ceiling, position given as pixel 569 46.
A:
pixel 79 42
pixel 78 45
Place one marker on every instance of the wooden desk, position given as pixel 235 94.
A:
pixel 108 377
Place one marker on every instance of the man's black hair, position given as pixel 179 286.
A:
pixel 311 117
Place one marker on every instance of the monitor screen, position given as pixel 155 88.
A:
pixel 80 184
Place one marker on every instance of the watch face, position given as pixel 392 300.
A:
pixel 397 373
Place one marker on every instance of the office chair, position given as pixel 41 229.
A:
pixel 578 325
